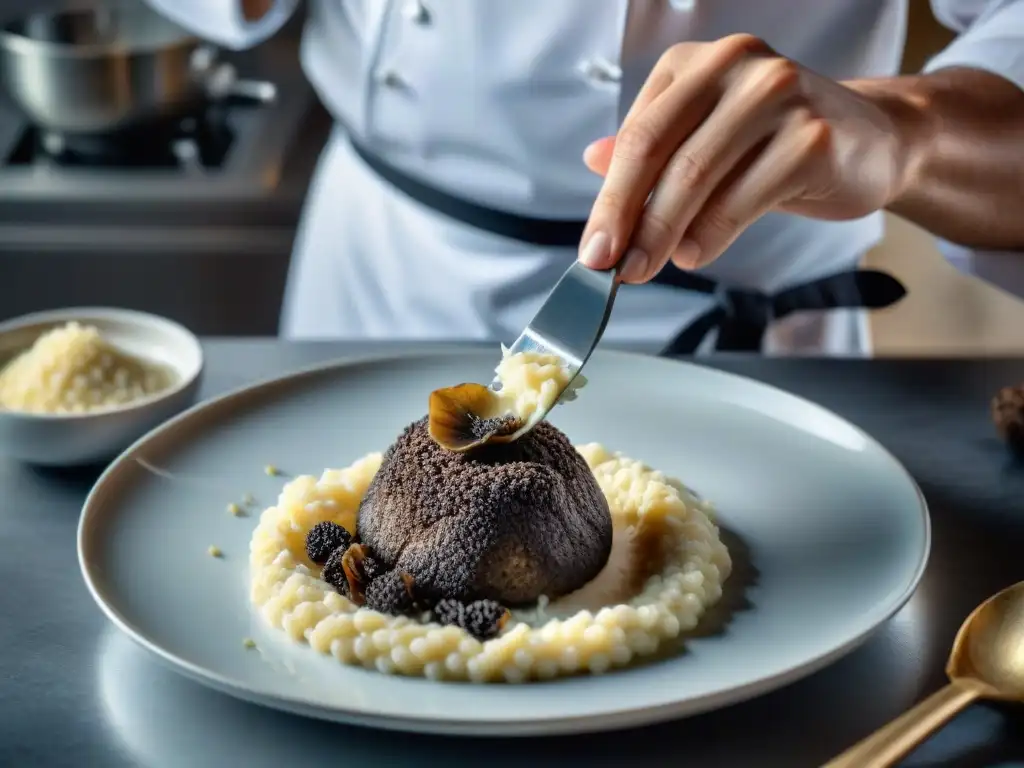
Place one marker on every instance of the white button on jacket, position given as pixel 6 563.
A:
pixel 495 101
pixel 416 12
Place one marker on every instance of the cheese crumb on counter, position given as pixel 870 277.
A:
pixel 213 551
pixel 73 369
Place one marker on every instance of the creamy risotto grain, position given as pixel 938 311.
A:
pixel 73 369
pixel 550 640
pixel 530 384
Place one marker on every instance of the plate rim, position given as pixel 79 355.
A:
pixel 489 726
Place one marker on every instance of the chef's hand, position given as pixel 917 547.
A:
pixel 720 134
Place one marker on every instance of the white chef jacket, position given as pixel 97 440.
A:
pixel 495 100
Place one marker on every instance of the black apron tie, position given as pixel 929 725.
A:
pixel 741 317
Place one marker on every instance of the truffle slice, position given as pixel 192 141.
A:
pixel 466 416
pixel 506 522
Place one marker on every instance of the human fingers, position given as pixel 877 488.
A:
pixel 751 111
pixel 648 138
pixel 783 170
pixel 598 155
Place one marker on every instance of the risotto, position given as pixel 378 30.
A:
pixel 666 567
pixel 73 369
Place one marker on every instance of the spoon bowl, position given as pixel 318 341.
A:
pixel 987 662
pixel 989 648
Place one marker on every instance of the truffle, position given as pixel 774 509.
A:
pixel 483 619
pixel 323 538
pixel 390 593
pixel 334 572
pixel 371 567
pixel 1008 415
pixel 507 522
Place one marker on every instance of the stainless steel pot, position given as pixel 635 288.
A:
pixel 103 69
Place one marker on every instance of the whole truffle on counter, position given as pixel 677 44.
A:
pixel 507 522
pixel 1008 414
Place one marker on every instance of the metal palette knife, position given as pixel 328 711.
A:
pixel 572 319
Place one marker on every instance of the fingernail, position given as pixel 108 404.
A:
pixel 635 266
pixel 597 251
pixel 687 254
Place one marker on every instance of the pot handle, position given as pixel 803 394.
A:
pixel 261 91
pixel 203 61
pixel 222 83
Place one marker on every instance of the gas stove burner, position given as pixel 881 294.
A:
pixel 201 142
pixel 195 143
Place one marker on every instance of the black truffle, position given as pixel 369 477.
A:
pixel 334 572
pixel 390 593
pixel 481 618
pixel 1008 416
pixel 372 567
pixel 496 425
pixel 449 612
pixel 507 522
pixel 323 538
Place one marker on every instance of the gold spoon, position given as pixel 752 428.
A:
pixel 987 662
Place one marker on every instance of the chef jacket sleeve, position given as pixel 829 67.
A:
pixel 221 21
pixel 991 37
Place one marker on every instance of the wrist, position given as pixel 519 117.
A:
pixel 907 104
pixel 254 10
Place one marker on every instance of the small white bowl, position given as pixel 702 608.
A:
pixel 66 440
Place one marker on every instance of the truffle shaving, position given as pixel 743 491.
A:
pixel 352 565
pixel 461 418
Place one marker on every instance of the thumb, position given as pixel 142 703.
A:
pixel 598 155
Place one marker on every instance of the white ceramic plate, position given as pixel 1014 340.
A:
pixel 829 533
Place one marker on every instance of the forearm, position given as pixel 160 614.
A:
pixel 963 134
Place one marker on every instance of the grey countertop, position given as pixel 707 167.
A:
pixel 74 692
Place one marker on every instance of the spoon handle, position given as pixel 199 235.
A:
pixel 891 742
